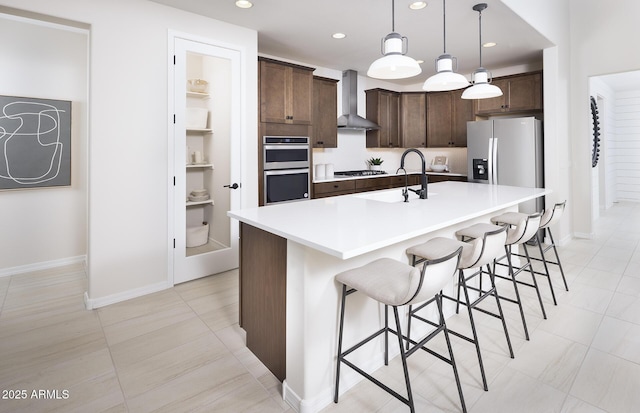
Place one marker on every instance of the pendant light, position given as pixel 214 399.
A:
pixel 445 78
pixel 482 87
pixel 394 64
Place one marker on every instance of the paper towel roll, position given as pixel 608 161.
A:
pixel 328 170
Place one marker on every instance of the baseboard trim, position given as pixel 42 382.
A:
pixel 93 303
pixel 349 379
pixel 584 235
pixel 45 265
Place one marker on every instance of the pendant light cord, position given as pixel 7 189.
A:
pixel 480 34
pixel 393 17
pixel 444 27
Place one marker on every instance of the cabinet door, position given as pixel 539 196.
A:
pixel 285 94
pixel 525 93
pixel 394 120
pixel 439 119
pixel 325 109
pixel 497 104
pixel 300 98
pixel 462 113
pixel 413 125
pixel 383 108
pixel 273 92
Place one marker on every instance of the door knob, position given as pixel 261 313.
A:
pixel 233 186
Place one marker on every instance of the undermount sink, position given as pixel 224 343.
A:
pixel 391 196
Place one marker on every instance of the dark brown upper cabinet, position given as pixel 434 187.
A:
pixel 383 108
pixel 447 117
pixel 520 93
pixel 286 93
pixel 324 130
pixel 413 119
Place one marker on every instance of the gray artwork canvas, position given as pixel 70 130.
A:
pixel 35 142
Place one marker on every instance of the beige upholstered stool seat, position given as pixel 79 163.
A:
pixel 439 246
pixel 385 280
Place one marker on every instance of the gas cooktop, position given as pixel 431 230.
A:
pixel 364 172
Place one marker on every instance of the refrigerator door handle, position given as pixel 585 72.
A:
pixel 490 162
pixel 494 160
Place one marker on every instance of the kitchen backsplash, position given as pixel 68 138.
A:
pixel 352 154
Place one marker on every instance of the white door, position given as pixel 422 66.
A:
pixel 206 159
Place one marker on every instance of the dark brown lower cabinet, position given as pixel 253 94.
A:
pixel 263 296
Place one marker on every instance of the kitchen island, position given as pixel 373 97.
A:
pixel 291 252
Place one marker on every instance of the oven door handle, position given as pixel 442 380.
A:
pixel 285 147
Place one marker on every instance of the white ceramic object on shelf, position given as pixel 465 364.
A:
pixel 438 168
pixel 198 85
pixel 199 192
pixel 196 118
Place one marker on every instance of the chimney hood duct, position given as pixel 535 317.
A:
pixel 350 119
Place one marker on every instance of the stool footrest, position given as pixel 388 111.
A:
pixel 377 382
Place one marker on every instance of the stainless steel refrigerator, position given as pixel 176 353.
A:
pixel 507 152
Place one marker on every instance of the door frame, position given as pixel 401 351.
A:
pixel 239 133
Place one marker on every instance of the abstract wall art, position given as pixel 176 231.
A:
pixel 35 142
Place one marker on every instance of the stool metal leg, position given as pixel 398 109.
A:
pixel 515 287
pixel 546 269
pixel 535 282
pixel 453 361
pixel 344 297
pixel 553 244
pixel 403 356
pixel 473 326
pixel 504 323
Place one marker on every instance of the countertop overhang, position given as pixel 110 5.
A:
pixel 335 178
pixel 351 225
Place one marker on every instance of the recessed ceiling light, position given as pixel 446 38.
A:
pixel 338 35
pixel 417 5
pixel 244 4
pixel 489 44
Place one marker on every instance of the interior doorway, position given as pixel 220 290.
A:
pixel 206 159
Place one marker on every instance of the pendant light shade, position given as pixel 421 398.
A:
pixel 394 64
pixel 482 87
pixel 445 78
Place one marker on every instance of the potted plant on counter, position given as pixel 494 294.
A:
pixel 375 164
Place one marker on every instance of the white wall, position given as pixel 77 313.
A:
pixel 47 226
pixel 600 36
pixel 603 175
pixel 128 133
pixel 626 142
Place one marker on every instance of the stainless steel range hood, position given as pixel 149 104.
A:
pixel 350 119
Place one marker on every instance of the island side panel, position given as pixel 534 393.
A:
pixel 263 292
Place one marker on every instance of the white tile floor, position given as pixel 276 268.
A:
pixel 182 350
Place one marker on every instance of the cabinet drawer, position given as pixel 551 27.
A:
pixel 372 184
pixel 398 181
pixel 347 186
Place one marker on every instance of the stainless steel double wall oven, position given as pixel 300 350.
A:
pixel 286 168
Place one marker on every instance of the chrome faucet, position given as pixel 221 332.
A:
pixel 422 192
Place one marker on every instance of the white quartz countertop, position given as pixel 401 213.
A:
pixel 350 225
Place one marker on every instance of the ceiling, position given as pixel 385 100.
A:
pixel 300 30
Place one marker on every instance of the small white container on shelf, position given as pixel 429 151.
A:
pixel 196 118
pixel 197 236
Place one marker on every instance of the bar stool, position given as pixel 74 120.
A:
pixel 476 253
pixel 549 217
pixel 396 284
pixel 521 229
